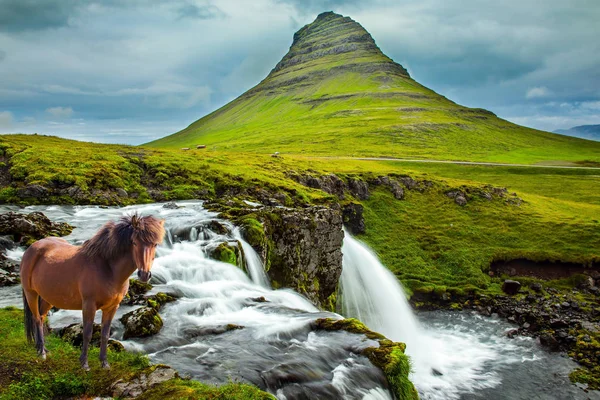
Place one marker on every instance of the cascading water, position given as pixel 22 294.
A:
pixel 227 325
pixel 445 364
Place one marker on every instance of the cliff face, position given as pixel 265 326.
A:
pixel 301 248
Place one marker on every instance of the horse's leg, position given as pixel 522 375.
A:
pixel 33 300
pixel 89 311
pixel 107 316
pixel 44 308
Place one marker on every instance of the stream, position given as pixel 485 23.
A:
pixel 455 355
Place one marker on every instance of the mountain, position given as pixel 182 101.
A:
pixel 336 94
pixel 591 132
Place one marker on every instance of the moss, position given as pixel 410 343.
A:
pixel 351 325
pixel 225 253
pixel 390 357
pixel 253 232
pixel 590 376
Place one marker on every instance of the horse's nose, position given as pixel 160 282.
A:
pixel 144 276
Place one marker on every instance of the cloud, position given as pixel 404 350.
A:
pixel 60 112
pixel 537 92
pixel 192 11
pixel 6 121
pixel 32 15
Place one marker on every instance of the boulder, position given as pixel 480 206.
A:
pixel 28 228
pixel 511 287
pixel 74 334
pixel 147 380
pixel 397 190
pixel 460 200
pixel 142 322
pixel 32 191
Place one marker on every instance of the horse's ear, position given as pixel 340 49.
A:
pixel 135 221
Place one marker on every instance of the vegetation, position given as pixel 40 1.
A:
pixel 24 376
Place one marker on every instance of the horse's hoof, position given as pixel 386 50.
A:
pixel 85 367
pixel 43 356
pixel 105 365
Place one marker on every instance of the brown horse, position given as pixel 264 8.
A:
pixel 91 277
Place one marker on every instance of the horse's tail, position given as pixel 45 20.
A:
pixel 29 321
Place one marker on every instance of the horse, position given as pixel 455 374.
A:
pixel 90 277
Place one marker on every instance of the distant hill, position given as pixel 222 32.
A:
pixel 336 94
pixel 591 132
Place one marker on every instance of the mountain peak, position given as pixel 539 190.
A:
pixel 332 38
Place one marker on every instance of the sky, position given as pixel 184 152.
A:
pixel 133 71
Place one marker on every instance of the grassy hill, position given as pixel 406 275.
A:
pixel 336 94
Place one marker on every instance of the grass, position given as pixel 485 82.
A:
pixel 24 376
pixel 360 103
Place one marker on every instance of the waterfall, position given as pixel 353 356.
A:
pixel 372 294
pixel 254 265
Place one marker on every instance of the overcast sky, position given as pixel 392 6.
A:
pixel 131 71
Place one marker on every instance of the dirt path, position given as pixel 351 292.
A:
pixel 490 164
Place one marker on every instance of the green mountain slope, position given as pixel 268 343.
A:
pixel 335 93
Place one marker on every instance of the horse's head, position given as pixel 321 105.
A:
pixel 148 233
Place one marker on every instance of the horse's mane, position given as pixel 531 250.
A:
pixel 113 240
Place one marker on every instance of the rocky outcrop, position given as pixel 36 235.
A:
pixel 511 287
pixel 354 221
pixel 142 322
pixel 301 249
pixel 25 229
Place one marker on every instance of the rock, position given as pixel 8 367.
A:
pixel 6 244
pixel 587 283
pixel 302 250
pixel 121 192
pixel 460 200
pixel 135 292
pixel 137 386
pixel 217 227
pixel 535 286
pixel 28 228
pixel 260 299
pixel 8 276
pixel 511 287
pixel 354 221
pixel 74 334
pixel 171 205
pixel 549 341
pixel 512 333
pixel 35 191
pixel 358 188
pixel 565 304
pixel 397 191
pixel 227 253
pixel 142 322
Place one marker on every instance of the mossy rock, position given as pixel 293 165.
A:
pixel 160 299
pixel 142 322
pixel 390 358
pixel 225 253
pixel 351 325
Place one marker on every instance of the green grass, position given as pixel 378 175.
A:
pixel 360 103
pixel 24 376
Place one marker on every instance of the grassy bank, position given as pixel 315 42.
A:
pixel 24 376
